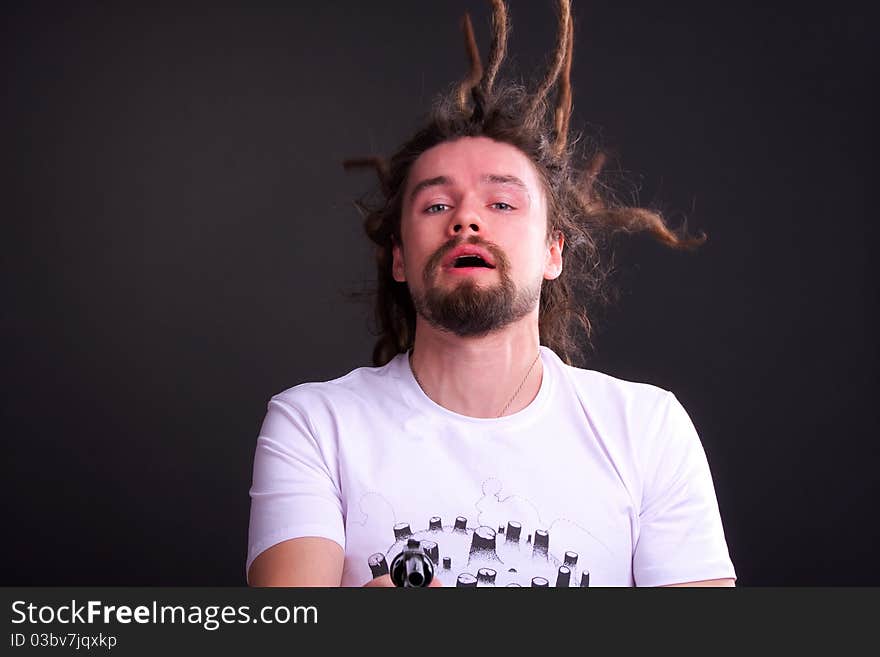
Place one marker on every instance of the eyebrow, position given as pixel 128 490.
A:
pixel 438 181
pixel 505 180
pixel 491 178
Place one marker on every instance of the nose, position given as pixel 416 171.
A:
pixel 465 220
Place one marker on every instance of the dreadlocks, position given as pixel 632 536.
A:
pixel 577 206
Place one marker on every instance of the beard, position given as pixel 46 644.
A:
pixel 471 309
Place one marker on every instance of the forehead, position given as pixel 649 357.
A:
pixel 470 159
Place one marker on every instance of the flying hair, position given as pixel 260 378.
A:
pixel 581 207
pixel 475 75
pixel 498 49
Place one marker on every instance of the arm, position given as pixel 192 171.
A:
pixel 681 539
pixel 296 533
pixel 708 582
pixel 306 561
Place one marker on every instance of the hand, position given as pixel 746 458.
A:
pixel 385 580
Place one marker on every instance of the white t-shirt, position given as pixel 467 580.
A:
pixel 597 481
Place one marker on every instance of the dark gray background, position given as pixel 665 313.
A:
pixel 179 235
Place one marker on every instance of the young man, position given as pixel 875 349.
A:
pixel 474 434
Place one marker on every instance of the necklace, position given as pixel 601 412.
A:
pixel 506 406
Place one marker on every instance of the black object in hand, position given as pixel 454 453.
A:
pixel 412 567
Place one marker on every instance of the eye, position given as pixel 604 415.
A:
pixel 501 205
pixel 436 207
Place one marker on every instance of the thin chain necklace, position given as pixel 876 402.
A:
pixel 507 405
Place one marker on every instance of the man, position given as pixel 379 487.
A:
pixel 474 434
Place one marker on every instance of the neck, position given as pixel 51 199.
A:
pixel 479 376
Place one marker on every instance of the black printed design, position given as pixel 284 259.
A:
pixel 483 556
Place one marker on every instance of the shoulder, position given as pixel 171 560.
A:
pixel 611 393
pixel 360 384
pixel 643 419
pixel 315 409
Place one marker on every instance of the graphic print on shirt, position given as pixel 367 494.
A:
pixel 507 544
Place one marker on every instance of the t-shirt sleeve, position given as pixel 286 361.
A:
pixel 294 493
pixel 681 538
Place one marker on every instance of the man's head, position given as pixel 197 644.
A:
pixel 474 242
pixel 449 185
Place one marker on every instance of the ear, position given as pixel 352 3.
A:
pixel 398 268
pixel 553 261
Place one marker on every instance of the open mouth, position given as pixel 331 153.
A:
pixel 470 261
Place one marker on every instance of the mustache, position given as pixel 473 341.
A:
pixel 501 262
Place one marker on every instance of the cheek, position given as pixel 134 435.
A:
pixel 528 254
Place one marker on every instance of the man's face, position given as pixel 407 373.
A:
pixel 474 229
